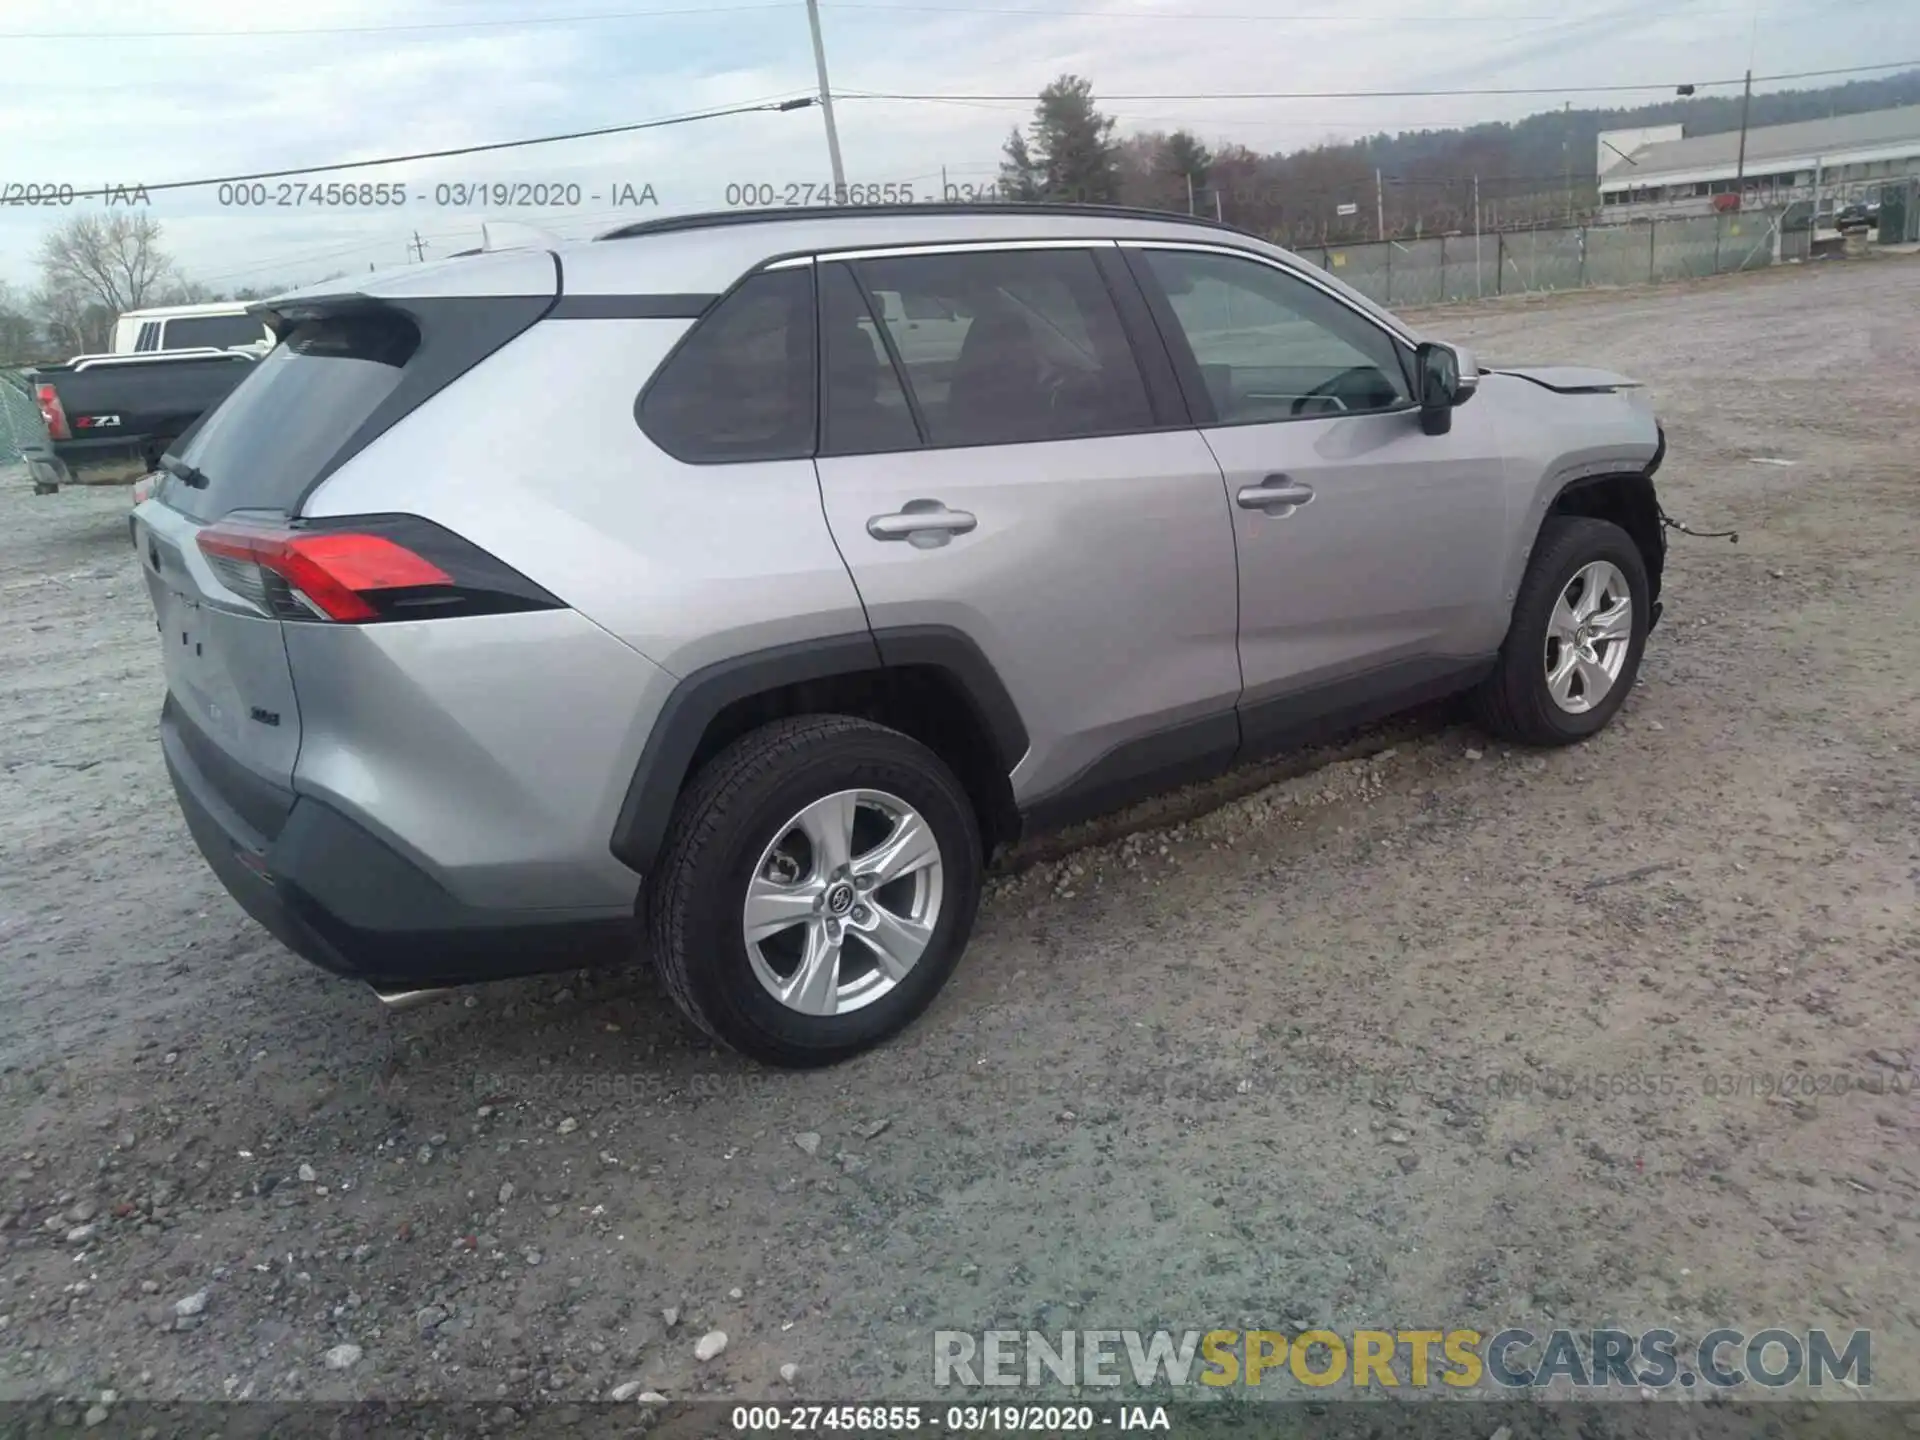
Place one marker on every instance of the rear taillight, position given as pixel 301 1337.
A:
pixel 54 413
pixel 372 568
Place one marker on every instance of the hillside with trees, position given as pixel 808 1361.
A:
pixel 1539 170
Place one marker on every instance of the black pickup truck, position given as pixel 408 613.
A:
pixel 114 410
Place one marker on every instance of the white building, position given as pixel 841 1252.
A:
pixel 1656 173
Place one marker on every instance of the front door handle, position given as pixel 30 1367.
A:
pixel 1276 494
pixel 922 524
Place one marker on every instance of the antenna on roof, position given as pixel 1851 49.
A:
pixel 512 235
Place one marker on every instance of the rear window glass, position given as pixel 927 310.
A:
pixel 281 425
pixel 222 331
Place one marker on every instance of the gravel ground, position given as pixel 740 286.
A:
pixel 1437 1035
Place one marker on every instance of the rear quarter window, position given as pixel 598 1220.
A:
pixel 740 386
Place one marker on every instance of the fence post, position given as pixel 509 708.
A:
pixel 1499 262
pixel 1389 248
pixel 1651 224
pixel 1444 296
pixel 1583 257
pixel 1716 243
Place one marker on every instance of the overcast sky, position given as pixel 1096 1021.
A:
pixel 95 104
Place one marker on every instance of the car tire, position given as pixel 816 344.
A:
pixel 740 821
pixel 1529 698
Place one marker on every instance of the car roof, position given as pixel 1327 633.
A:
pixel 691 258
pixel 708 252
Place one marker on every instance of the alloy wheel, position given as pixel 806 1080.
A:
pixel 843 902
pixel 1588 636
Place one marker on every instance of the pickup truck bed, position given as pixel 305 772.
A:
pixel 130 408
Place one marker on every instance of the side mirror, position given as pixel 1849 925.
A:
pixel 1447 377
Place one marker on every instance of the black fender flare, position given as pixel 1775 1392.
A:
pixel 1650 534
pixel 640 831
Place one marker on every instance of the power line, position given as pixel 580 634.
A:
pixel 1406 94
pixel 796 103
pixel 602 16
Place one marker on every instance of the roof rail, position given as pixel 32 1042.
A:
pixel 713 219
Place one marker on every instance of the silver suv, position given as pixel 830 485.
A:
pixel 731 585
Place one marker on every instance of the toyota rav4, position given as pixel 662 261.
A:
pixel 729 587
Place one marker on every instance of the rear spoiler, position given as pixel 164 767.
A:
pixel 280 316
pixel 515 263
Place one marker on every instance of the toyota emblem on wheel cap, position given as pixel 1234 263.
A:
pixel 840 899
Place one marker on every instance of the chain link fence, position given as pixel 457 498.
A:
pixel 20 420
pixel 1436 269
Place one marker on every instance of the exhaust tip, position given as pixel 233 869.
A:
pixel 408 999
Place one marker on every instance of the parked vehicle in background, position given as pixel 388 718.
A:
pixel 1858 216
pixel 114 414
pixel 219 325
pixel 121 412
pixel 804 611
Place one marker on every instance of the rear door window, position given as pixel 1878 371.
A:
pixel 279 428
pixel 1006 346
pixel 866 409
pixel 741 384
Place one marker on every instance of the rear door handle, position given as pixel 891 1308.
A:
pixel 1276 495
pixel 922 524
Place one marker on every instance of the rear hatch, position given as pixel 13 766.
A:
pixel 221 543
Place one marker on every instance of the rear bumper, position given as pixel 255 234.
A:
pixel 337 895
pixel 48 472
pixel 100 449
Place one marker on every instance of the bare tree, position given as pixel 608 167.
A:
pixel 110 261
pixel 74 323
pixel 18 332
pixel 183 291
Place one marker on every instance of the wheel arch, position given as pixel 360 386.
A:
pixel 1626 499
pixel 930 682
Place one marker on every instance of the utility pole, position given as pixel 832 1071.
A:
pixel 1566 154
pixel 418 247
pixel 1379 203
pixel 826 103
pixel 1740 168
pixel 1476 236
pixel 1189 193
